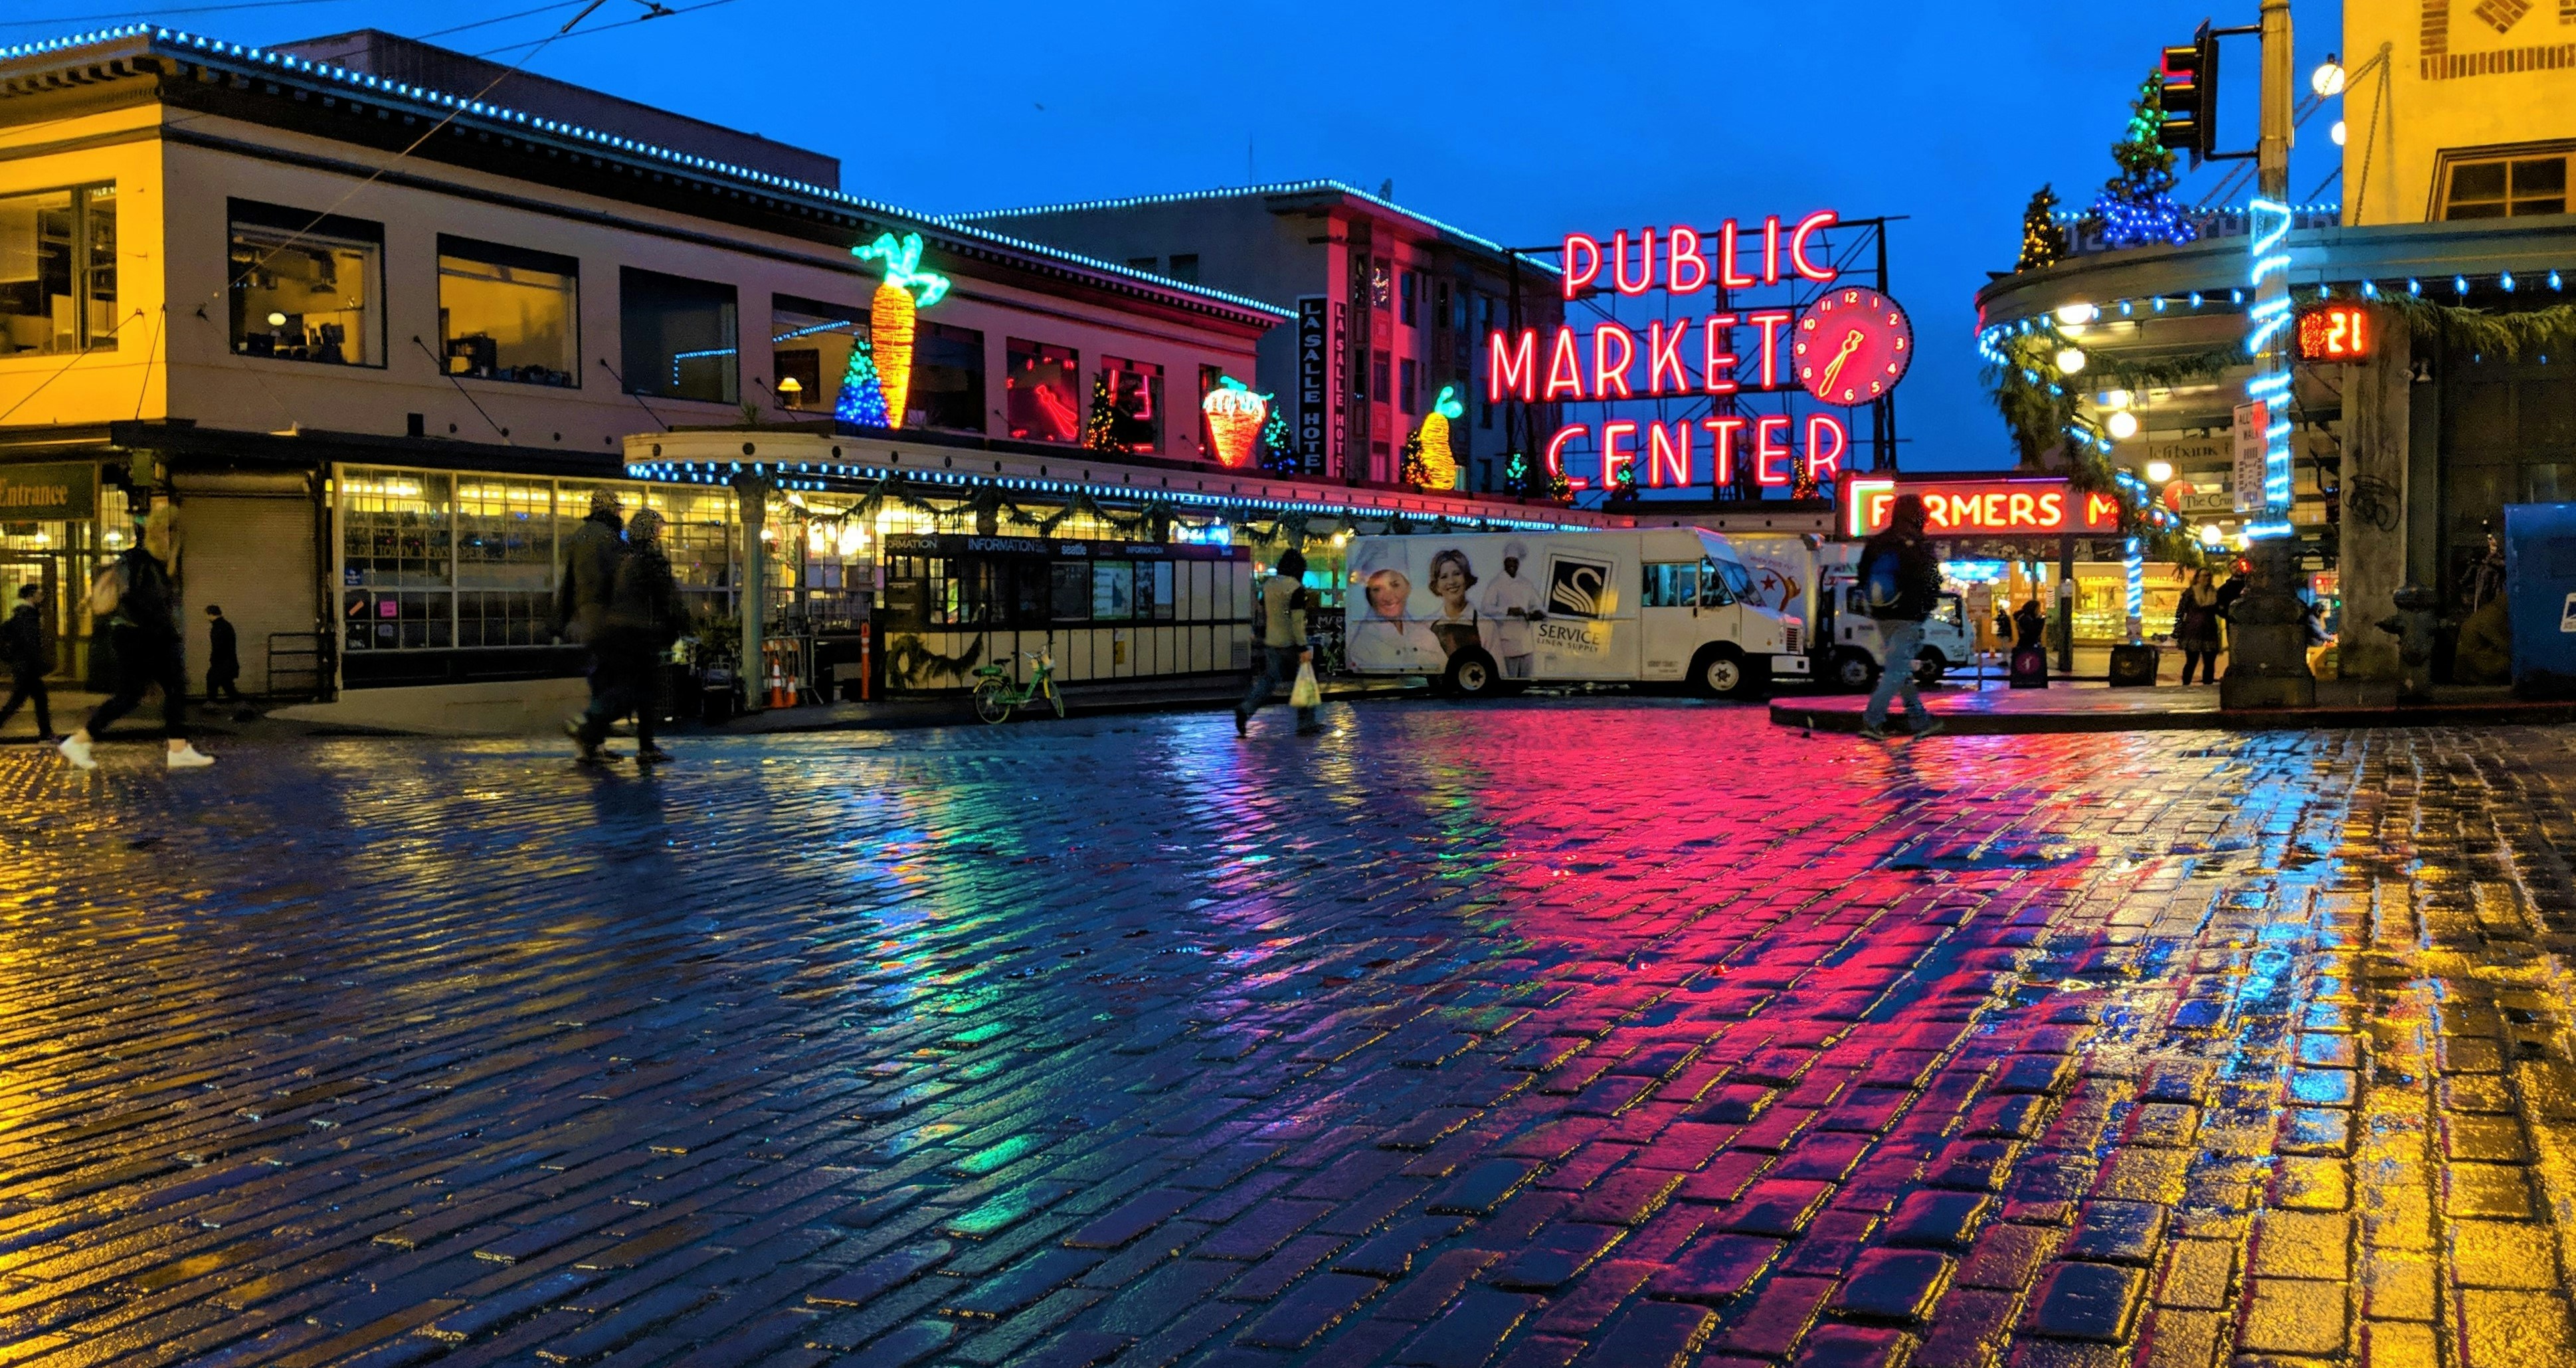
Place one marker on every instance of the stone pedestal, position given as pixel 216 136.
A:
pixel 2376 498
pixel 2267 643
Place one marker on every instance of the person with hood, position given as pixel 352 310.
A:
pixel 644 616
pixel 24 646
pixel 1900 580
pixel 583 588
pixel 136 596
pixel 2195 628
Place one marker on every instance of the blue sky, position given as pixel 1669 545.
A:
pixel 1519 121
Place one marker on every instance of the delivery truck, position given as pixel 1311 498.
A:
pixel 1815 582
pixel 1487 613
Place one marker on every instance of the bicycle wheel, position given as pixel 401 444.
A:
pixel 993 700
pixel 1056 698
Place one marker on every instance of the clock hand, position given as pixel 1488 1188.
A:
pixel 1851 344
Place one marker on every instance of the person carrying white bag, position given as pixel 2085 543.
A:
pixel 1285 654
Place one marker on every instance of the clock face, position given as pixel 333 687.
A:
pixel 1851 347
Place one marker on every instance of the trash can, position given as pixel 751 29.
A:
pixel 2540 597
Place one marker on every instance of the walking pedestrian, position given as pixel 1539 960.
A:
pixel 29 653
pixel 1900 580
pixel 2195 628
pixel 643 619
pixel 583 587
pixel 223 656
pixel 1283 643
pixel 136 597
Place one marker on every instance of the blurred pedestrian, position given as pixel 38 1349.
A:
pixel 223 657
pixel 583 587
pixel 1900 579
pixel 1282 619
pixel 140 603
pixel 643 619
pixel 2195 628
pixel 29 653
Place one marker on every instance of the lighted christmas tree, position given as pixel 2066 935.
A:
pixel 2043 239
pixel 1623 486
pixel 1278 447
pixel 2136 207
pixel 1414 470
pixel 862 397
pixel 1100 425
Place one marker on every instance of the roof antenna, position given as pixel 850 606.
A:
pixel 1386 189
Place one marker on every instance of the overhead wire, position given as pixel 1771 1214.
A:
pixel 657 12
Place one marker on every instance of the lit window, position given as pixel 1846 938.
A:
pixel 678 337
pixel 2507 188
pixel 1042 401
pixel 509 314
pixel 1135 404
pixel 58 249
pixel 306 287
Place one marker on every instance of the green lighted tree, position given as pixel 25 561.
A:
pixel 2136 207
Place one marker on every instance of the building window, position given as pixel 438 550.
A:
pixel 58 271
pixel 809 351
pixel 1042 398
pixel 1144 263
pixel 1407 385
pixel 678 337
pixel 948 377
pixel 307 287
pixel 1135 404
pixel 395 560
pixel 505 560
pixel 1406 288
pixel 1379 389
pixel 2507 187
pixel 1440 306
pixel 1209 378
pixel 509 314
pixel 1381 283
pixel 1185 267
pixel 1458 309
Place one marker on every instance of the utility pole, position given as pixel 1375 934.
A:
pixel 2267 664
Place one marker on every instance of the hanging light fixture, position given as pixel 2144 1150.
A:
pixel 2070 360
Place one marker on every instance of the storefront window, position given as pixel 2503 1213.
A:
pixel 509 314
pixel 505 559
pixel 1043 399
pixel 306 287
pixel 948 377
pixel 1113 591
pixel 678 337
pixel 810 345
pixel 1135 404
pixel 396 560
pixel 58 271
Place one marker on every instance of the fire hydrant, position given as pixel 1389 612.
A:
pixel 2414 627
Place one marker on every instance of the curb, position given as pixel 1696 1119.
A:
pixel 1847 721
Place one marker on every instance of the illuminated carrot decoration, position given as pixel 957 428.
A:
pixel 890 313
pixel 1439 466
pixel 1234 417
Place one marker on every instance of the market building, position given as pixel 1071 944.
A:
pixel 378 318
pixel 2433 323
pixel 1392 306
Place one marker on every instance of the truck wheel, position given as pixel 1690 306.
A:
pixel 1722 672
pixel 1852 670
pixel 1928 668
pixel 1472 675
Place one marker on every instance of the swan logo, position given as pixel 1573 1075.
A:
pixel 1580 588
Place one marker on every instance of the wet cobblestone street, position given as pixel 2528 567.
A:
pixel 1615 1033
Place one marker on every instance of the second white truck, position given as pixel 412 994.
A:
pixel 1814 582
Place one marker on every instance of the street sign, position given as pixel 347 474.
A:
pixel 2251 421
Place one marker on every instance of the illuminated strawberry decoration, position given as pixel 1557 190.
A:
pixel 1234 418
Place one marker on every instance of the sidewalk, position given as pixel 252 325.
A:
pixel 2095 707
pixel 1080 700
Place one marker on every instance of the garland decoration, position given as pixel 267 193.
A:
pixel 2512 335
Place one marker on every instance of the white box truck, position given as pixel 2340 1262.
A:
pixel 1489 612
pixel 1814 581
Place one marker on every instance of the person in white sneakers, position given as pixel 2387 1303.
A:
pixel 136 597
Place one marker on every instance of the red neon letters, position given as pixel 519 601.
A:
pixel 1684 267
pixel 2033 507
pixel 1606 367
pixel 1671 455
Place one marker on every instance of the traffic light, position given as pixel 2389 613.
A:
pixel 2191 96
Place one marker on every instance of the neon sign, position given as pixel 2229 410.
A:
pixel 1968 508
pixel 2335 332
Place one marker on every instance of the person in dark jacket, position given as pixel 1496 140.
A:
pixel 1918 586
pixel 223 656
pixel 644 616
pixel 22 645
pixel 2195 627
pixel 583 588
pixel 136 596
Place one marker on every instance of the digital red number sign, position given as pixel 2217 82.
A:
pixel 2335 332
pixel 1972 508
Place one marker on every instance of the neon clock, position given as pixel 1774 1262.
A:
pixel 1852 346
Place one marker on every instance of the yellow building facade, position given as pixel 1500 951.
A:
pixel 2457 109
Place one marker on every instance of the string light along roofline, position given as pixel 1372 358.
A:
pixel 1297 187
pixel 181 42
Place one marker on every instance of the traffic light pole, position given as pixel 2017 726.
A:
pixel 2267 644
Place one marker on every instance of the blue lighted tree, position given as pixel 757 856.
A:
pixel 862 397
pixel 2136 207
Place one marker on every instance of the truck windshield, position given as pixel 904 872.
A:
pixel 1727 576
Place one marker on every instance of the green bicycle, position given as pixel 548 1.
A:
pixel 997 695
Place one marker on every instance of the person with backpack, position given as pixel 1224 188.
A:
pixel 644 615
pixel 2195 627
pixel 583 588
pixel 223 657
pixel 1900 578
pixel 138 601
pixel 29 653
pixel 1281 617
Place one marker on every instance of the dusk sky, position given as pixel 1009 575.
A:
pixel 1516 121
